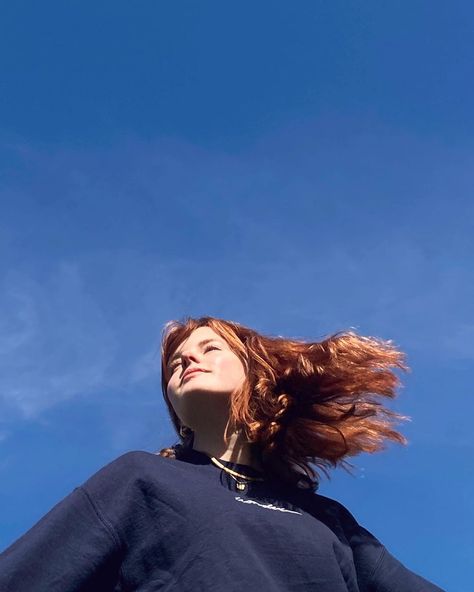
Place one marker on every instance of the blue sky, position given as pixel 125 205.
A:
pixel 301 168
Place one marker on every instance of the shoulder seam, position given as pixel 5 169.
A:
pixel 377 565
pixel 107 525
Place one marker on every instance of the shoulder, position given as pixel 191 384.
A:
pixel 127 469
pixel 120 491
pixel 337 517
pixel 136 460
pixel 331 507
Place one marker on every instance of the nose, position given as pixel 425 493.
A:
pixel 189 357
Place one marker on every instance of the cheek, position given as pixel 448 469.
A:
pixel 231 368
pixel 171 389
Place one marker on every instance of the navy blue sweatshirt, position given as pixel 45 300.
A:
pixel 145 523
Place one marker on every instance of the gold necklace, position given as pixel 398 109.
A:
pixel 240 486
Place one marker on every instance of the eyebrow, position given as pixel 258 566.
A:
pixel 202 342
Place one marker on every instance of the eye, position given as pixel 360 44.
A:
pixel 174 366
pixel 178 363
pixel 209 347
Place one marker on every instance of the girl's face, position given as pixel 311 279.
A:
pixel 203 371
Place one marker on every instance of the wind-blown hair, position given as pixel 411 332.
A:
pixel 302 402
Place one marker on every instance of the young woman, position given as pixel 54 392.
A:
pixel 233 506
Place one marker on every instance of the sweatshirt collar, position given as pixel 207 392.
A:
pixel 197 457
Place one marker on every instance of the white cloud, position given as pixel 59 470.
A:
pixel 54 341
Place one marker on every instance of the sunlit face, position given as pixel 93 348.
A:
pixel 219 373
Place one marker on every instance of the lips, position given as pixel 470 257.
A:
pixel 193 371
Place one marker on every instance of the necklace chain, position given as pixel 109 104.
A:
pixel 234 473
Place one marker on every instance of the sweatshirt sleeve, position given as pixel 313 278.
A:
pixel 378 570
pixel 392 576
pixel 71 549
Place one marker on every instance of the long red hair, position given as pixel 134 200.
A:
pixel 302 402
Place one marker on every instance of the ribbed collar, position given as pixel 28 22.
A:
pixel 275 487
pixel 197 457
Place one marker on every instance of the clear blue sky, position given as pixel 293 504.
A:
pixel 302 168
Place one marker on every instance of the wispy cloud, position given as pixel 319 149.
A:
pixel 54 341
pixel 145 232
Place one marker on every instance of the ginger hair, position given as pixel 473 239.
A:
pixel 303 403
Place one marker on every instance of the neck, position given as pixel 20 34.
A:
pixel 236 449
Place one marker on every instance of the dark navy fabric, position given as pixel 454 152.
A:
pixel 145 523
